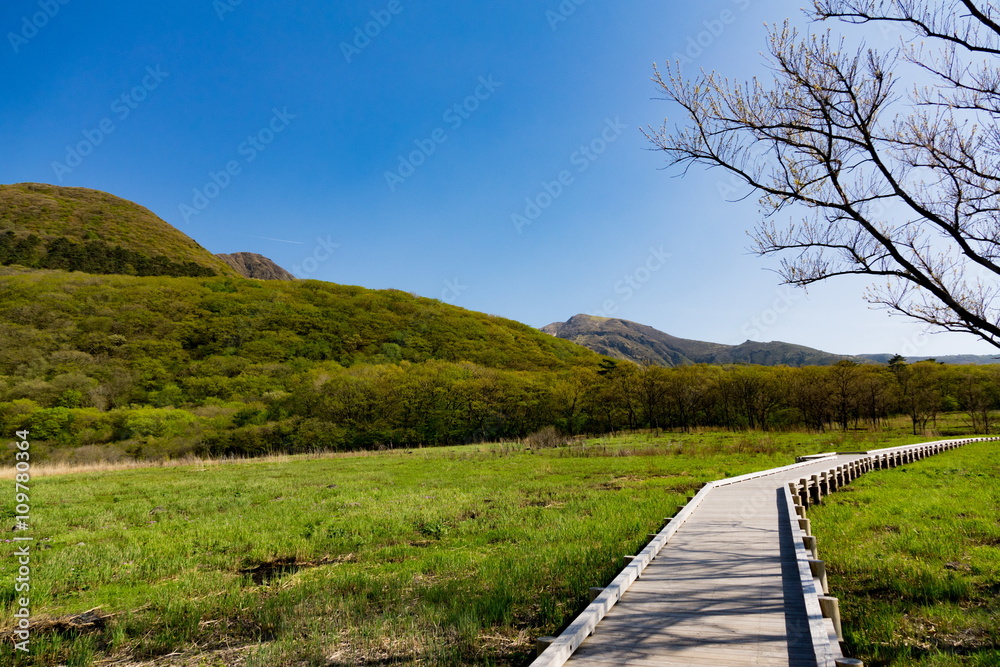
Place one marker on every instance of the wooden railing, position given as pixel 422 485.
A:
pixel 826 629
pixel 823 610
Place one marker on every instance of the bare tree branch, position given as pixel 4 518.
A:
pixel 903 188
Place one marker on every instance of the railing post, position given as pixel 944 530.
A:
pixel 831 609
pixel 809 542
pixel 818 570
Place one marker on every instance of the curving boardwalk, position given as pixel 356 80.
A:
pixel 729 580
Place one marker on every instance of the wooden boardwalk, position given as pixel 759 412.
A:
pixel 728 582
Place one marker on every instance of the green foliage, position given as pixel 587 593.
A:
pixel 48 226
pixel 324 366
pixel 51 423
pixel 71 398
pixel 92 257
pixel 146 422
pixel 352 367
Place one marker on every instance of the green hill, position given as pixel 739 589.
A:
pixel 165 366
pixel 643 344
pixel 48 226
pixel 124 337
pixel 47 312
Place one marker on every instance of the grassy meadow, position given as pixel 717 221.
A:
pixel 445 556
pixel 912 555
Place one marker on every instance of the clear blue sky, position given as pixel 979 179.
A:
pixel 389 143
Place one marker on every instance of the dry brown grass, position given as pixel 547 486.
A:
pixel 223 657
pixel 51 469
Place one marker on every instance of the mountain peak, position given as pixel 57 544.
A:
pixel 252 265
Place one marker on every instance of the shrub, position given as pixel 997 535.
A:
pixel 147 422
pixel 545 438
pixel 51 424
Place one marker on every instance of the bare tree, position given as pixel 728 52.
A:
pixel 902 186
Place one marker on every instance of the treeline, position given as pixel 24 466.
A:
pixel 437 403
pixel 845 395
pixel 266 408
pixel 92 256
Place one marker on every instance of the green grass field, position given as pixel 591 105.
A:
pixel 912 554
pixel 452 556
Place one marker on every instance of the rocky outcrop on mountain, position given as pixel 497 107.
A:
pixel 252 265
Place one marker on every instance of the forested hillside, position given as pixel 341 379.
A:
pixel 77 229
pixel 116 366
pixel 168 365
pixel 177 354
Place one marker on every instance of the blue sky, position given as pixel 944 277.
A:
pixel 485 154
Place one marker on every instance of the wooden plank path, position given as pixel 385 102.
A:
pixel 729 581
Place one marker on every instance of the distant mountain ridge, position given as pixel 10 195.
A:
pixel 252 265
pixel 642 344
pixel 631 341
